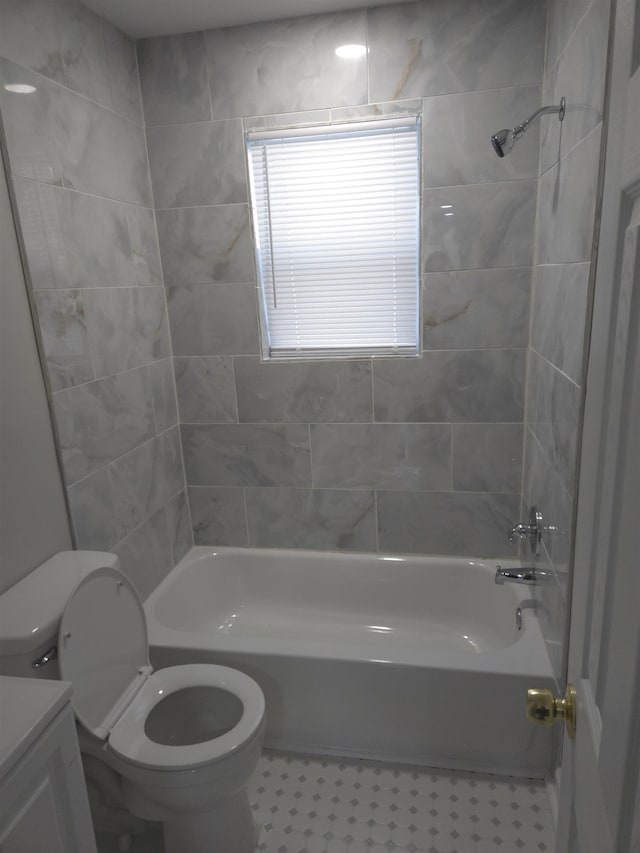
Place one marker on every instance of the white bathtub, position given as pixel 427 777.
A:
pixel 404 659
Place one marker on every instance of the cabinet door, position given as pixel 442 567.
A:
pixel 44 806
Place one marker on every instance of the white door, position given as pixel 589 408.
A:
pixel 599 786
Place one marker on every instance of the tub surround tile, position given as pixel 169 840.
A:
pixel 484 386
pixel 206 389
pixel 559 308
pixel 63 328
pixel 83 50
pixel 468 309
pixel 30 35
pixel 491 226
pixel 321 519
pixel 122 70
pixel 566 205
pixel 464 523
pixel 218 516
pixel 487 457
pixel 93 513
pixel 173 79
pixel 102 420
pixel 198 164
pixel 381 456
pixel 163 394
pixel 144 245
pixel 390 108
pixel 420 49
pixel 308 117
pixel 217 319
pixel 179 525
pixel 201 245
pixel 28 125
pixel 127 327
pixel 286 66
pixel 146 555
pixel 143 480
pixel 73 240
pixel 456 133
pixel 563 20
pixel 246 455
pixel 306 392
pixel 553 415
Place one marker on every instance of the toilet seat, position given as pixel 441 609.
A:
pixel 128 737
pixel 103 650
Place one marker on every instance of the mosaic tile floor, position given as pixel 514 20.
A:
pixel 332 805
pixel 327 805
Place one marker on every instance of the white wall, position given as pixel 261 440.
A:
pixel 33 519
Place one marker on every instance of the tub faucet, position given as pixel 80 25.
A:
pixel 528 576
pixel 533 530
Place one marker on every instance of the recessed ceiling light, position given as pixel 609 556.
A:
pixel 448 214
pixel 351 51
pixel 20 88
pixel 446 206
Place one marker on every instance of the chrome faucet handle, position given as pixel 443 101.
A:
pixel 533 530
pixel 520 530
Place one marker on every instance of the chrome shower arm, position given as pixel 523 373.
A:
pixel 555 109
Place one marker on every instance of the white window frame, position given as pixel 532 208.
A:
pixel 404 263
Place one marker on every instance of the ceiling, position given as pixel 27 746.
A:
pixel 140 18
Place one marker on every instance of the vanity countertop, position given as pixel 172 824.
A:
pixel 27 706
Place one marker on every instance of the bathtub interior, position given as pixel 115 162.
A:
pixel 314 597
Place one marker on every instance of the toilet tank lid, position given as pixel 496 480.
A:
pixel 30 610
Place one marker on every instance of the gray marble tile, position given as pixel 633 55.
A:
pixel 286 66
pixel 456 130
pixel 73 240
pixel 390 108
pixel 305 392
pixel 101 152
pixel 564 16
pixel 92 513
pixel 559 308
pixel 200 245
pixel 173 79
pixel 487 225
pixel 466 309
pixel 29 125
pixel 246 455
pixel 456 523
pixel 144 245
pixel 310 117
pixel 198 164
pixel 127 327
pixel 553 409
pixel 321 519
pixel 144 480
pixel 550 127
pixel 487 457
pixel 63 329
pixel 420 49
pixel 146 555
pixel 566 205
pixel 122 67
pixel 163 394
pixel 206 389
pixel 485 386
pixel 543 488
pixel 30 35
pixel 83 49
pixel 381 456
pixel 179 526
pixel 218 516
pixel 102 420
pixel 216 319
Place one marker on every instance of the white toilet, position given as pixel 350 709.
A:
pixel 183 740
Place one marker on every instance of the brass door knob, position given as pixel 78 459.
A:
pixel 544 708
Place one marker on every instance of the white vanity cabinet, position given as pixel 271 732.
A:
pixel 44 806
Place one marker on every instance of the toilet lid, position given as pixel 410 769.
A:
pixel 103 647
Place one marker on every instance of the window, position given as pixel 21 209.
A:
pixel 336 225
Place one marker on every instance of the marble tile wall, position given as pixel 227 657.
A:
pixel 77 154
pixel 420 456
pixel 577 34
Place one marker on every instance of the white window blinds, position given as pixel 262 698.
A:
pixel 336 224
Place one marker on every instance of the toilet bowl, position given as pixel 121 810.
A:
pixel 183 740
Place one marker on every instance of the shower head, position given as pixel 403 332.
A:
pixel 504 140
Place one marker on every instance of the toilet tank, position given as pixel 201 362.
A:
pixel 31 609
